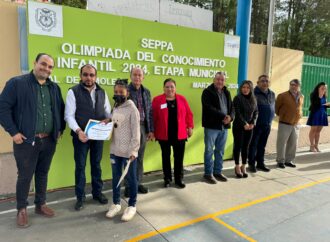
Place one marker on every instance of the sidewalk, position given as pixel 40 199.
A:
pixel 8 168
pixel 179 209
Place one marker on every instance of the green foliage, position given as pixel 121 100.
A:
pixel 303 25
pixel 299 24
pixel 72 3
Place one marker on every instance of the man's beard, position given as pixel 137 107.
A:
pixel 88 85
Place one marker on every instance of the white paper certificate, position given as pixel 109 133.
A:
pixel 95 130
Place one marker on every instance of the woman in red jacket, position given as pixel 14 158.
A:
pixel 173 124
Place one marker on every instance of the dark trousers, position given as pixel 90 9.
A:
pixel 80 155
pixel 33 159
pixel 118 164
pixel 242 139
pixel 143 142
pixel 139 159
pixel 178 150
pixel 258 144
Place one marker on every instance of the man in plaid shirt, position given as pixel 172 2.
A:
pixel 140 95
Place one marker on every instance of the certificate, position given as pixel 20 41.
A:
pixel 97 130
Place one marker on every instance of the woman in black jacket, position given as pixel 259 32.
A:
pixel 318 114
pixel 246 112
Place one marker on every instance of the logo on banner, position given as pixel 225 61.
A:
pixel 231 46
pixel 45 19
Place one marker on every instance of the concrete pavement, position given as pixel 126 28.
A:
pixel 193 213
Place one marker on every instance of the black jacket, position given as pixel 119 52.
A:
pixel 84 105
pixel 212 115
pixel 146 103
pixel 245 111
pixel 18 107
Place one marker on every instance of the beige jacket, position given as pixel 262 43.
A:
pixel 126 131
pixel 288 110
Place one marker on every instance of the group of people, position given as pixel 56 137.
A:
pixel 32 111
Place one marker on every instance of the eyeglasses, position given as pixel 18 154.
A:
pixel 264 80
pixel 88 74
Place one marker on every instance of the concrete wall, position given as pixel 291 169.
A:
pixel 286 65
pixel 256 65
pixel 9 57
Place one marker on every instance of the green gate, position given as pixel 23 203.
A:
pixel 315 70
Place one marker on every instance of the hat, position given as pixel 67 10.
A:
pixel 296 81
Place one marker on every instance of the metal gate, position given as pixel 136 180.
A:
pixel 315 70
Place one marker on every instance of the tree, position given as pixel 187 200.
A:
pixel 224 12
pixel 259 21
pixel 303 25
pixel 72 3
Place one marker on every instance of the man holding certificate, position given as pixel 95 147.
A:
pixel 87 101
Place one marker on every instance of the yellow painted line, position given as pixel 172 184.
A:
pixel 236 231
pixel 170 228
pixel 143 236
pixel 225 211
pixel 265 199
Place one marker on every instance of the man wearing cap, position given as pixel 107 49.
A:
pixel 288 107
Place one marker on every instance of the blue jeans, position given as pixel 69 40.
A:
pixel 214 141
pixel 117 164
pixel 258 144
pixel 95 148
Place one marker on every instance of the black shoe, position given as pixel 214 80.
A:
pixel 220 177
pixel 244 174
pixel 79 205
pixel 101 198
pixel 252 169
pixel 263 168
pixel 180 184
pixel 126 192
pixel 167 183
pixel 290 164
pixel 142 189
pixel 210 179
pixel 238 175
pixel 281 165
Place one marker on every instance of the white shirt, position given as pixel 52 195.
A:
pixel 70 108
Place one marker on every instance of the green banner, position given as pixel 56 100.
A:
pixel 114 45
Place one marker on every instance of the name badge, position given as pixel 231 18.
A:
pixel 163 106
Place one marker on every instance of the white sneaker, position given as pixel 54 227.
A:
pixel 128 213
pixel 113 210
